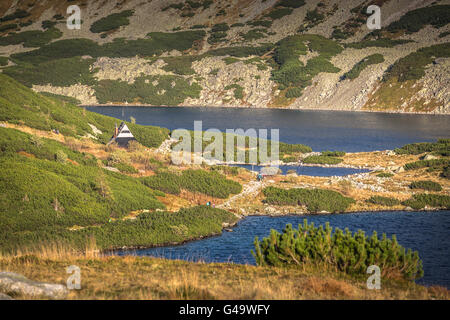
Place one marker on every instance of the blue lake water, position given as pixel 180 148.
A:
pixel 321 130
pixel 427 232
pixel 309 170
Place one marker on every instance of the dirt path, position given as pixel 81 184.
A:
pixel 250 189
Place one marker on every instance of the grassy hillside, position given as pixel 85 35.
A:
pixel 54 191
pixel 20 105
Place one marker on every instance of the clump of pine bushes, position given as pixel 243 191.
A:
pixel 337 250
pixel 315 200
pixel 211 183
pixel 426 185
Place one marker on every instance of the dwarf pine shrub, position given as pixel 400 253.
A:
pixel 316 200
pixel 426 185
pixel 342 250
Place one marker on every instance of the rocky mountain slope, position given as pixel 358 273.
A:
pixel 239 53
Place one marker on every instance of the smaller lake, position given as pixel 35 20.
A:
pixel 308 171
pixel 427 232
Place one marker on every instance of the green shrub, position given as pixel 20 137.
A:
pixel 446 172
pixel 112 22
pixel 322 160
pixel 279 13
pixel 125 168
pixel 217 37
pixel 291 72
pixel 314 16
pixel 294 93
pixel 435 163
pixel 3 61
pixel 31 39
pixel 414 20
pixel 426 185
pixel 61 72
pixel 10 26
pixel 18 14
pixel 333 153
pixel 385 175
pixel 260 23
pixel 209 183
pixel 316 200
pixel 412 67
pixel 181 65
pixel 238 90
pixel 253 34
pixel 66 99
pixel 143 91
pixel 293 148
pixel 291 3
pixel 155 44
pixel 419 201
pixel 343 251
pixel 361 65
pixel 384 201
pixel 417 148
pixel 220 27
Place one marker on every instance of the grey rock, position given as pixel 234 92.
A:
pixel 11 282
pixel 5 297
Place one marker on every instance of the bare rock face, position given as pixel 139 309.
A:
pixel 13 283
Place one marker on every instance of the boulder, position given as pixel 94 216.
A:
pixel 5 297
pixel 13 283
pixel 430 157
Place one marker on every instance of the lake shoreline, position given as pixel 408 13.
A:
pixel 260 108
pixel 229 228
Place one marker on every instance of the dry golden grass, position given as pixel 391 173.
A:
pixel 129 277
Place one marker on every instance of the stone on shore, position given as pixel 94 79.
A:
pixel 13 283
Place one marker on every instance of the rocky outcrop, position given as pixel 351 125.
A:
pixel 16 284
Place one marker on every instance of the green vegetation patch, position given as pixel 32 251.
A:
pixel 383 201
pixel 414 20
pixel 426 185
pixel 363 64
pixel 420 201
pixel 60 97
pixel 238 90
pixel 61 72
pixel 346 252
pixel 291 72
pixel 18 14
pixel 412 67
pixel 155 44
pixel 440 146
pixel 385 175
pixel 279 13
pixel 112 22
pixel 211 183
pixel 31 39
pixel 158 228
pixel 291 3
pixel 169 90
pixel 316 200
pixel 44 192
pixel 433 164
pixel 20 105
pixel 4 61
pixel 322 160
